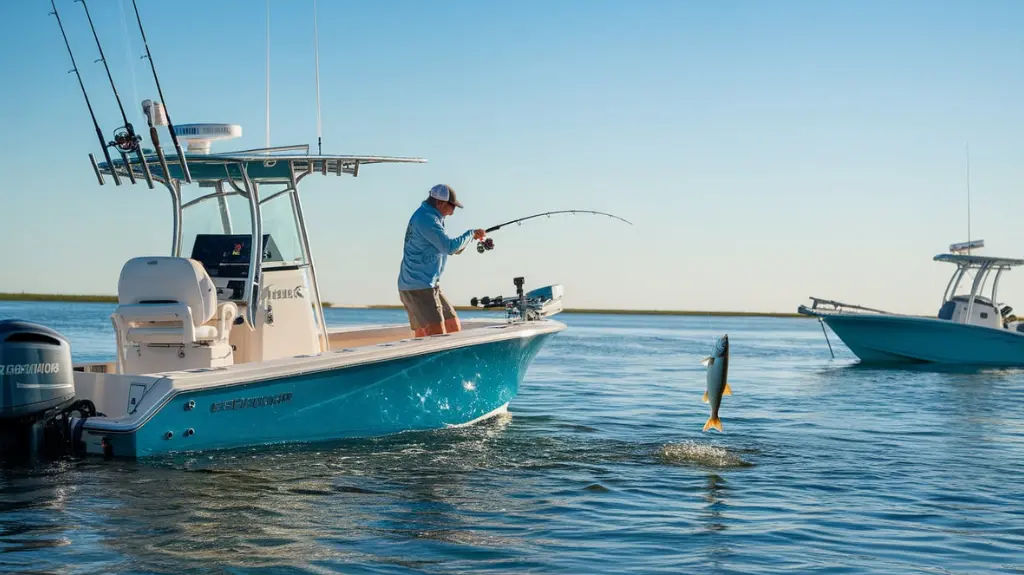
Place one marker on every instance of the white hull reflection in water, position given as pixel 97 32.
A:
pixel 599 466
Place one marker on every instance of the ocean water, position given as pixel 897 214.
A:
pixel 600 467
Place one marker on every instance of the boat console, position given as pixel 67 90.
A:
pixel 226 258
pixel 189 313
pixel 972 307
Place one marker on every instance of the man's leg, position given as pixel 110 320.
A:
pixel 429 329
pixel 432 329
pixel 425 317
pixel 432 317
pixel 452 325
pixel 451 320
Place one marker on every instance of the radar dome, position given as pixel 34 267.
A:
pixel 200 136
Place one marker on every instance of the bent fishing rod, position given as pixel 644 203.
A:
pixel 488 244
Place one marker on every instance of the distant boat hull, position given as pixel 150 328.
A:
pixel 893 339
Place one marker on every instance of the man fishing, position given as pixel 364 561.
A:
pixel 427 247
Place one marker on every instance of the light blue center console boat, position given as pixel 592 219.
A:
pixel 221 345
pixel 971 327
pixel 221 342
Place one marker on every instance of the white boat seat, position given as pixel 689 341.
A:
pixel 169 300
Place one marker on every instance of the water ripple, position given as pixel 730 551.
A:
pixel 601 467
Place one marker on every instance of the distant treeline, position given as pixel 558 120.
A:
pixel 57 297
pixel 632 311
pixel 113 299
pixel 70 298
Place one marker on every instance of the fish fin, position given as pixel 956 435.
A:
pixel 713 422
pixel 705 398
pixel 726 390
pixel 707 361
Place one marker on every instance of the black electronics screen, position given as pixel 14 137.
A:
pixel 227 256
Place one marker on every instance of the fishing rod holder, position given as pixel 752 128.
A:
pixel 529 306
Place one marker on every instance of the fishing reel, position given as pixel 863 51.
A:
pixel 125 139
pixel 484 246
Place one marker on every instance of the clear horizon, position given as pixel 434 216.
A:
pixel 764 153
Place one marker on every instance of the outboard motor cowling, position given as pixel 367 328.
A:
pixel 36 384
pixel 35 369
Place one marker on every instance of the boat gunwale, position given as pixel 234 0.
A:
pixel 867 317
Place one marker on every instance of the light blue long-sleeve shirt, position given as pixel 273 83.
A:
pixel 427 247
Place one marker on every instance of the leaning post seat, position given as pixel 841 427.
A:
pixel 170 301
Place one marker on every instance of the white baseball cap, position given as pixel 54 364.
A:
pixel 444 193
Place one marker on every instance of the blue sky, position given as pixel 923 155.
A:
pixel 765 151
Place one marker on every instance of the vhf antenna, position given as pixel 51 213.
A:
pixel 99 132
pixel 125 138
pixel 160 92
pixel 316 55
pixel 967 146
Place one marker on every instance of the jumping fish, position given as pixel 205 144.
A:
pixel 717 365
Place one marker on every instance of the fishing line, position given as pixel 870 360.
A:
pixel 128 48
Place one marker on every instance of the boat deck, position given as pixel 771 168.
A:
pixel 343 337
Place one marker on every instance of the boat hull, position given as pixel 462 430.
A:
pixel 892 339
pixel 451 387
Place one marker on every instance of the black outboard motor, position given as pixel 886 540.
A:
pixel 37 389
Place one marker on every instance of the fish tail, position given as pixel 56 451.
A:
pixel 726 390
pixel 713 421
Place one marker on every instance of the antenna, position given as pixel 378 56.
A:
pixel 125 139
pixel 164 114
pixel 267 73
pixel 968 149
pixel 99 132
pixel 316 55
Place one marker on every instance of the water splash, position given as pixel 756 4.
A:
pixel 702 454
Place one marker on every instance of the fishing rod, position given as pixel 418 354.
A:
pixel 162 111
pixel 125 138
pixel 488 244
pixel 99 132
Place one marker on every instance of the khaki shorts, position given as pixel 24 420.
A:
pixel 426 307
